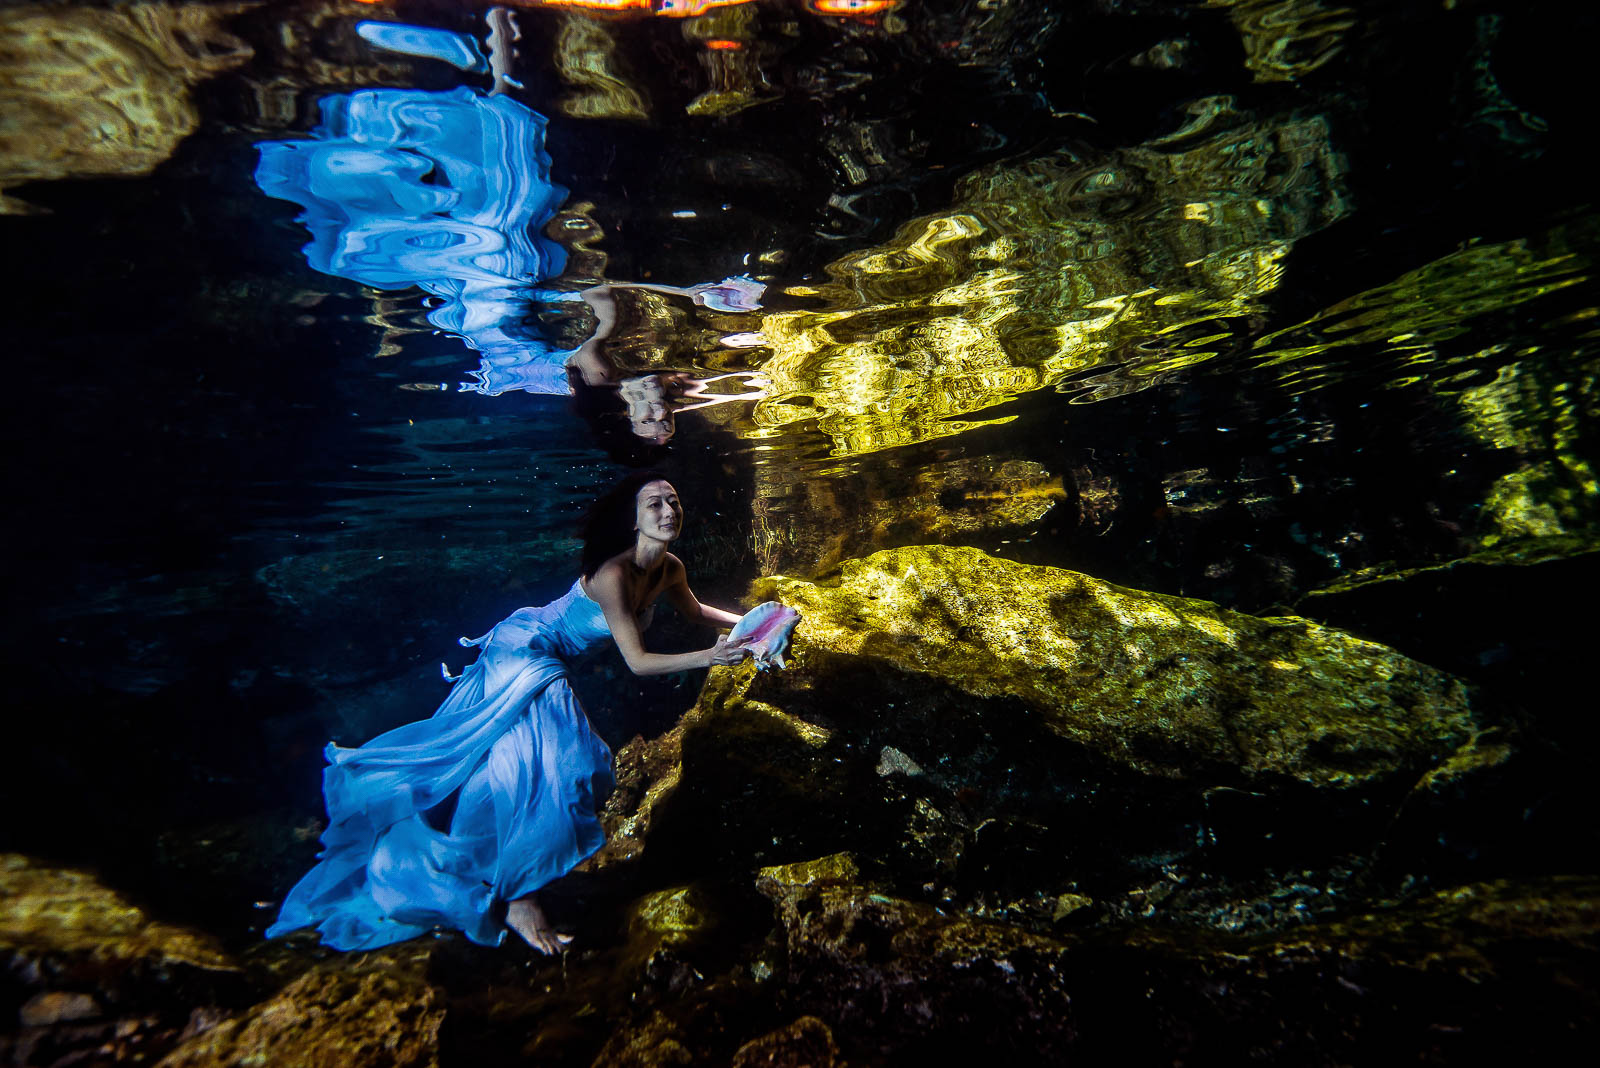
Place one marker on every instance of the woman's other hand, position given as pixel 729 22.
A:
pixel 728 653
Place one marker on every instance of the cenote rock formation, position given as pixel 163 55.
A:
pixel 1173 422
pixel 1055 817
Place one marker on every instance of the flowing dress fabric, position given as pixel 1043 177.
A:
pixel 513 747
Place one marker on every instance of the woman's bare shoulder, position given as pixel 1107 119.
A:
pixel 607 578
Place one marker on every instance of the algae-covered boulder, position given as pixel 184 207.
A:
pixel 88 974
pixel 1165 685
pixel 373 1009
pixel 72 920
pixel 1478 967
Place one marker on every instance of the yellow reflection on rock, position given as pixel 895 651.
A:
pixel 70 914
pixel 1287 39
pixel 806 524
pixel 1166 685
pixel 731 51
pixel 313 52
pixel 586 55
pixel 1425 307
pixel 94 91
pixel 1538 408
pixel 1048 267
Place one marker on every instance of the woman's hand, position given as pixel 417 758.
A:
pixel 728 653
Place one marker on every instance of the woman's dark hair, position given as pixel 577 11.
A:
pixel 608 528
pixel 604 410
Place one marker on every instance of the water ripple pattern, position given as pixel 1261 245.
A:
pixel 1048 268
pixel 444 191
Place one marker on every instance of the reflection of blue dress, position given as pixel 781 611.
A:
pixel 513 745
pixel 446 191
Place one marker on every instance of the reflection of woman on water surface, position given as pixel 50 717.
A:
pixel 651 400
pixel 451 192
pixel 455 821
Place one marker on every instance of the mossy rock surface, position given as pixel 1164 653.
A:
pixel 1164 685
pixel 92 977
pixel 369 1009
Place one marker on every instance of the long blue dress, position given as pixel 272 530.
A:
pixel 530 772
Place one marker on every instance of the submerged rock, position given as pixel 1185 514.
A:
pixel 373 1009
pixel 90 976
pixel 806 1043
pixel 1454 614
pixel 67 923
pixel 1164 685
pixel 1446 973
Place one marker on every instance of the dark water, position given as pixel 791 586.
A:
pixel 1235 300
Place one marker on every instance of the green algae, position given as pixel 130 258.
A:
pixel 373 1009
pixel 1165 685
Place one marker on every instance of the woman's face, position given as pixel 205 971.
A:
pixel 649 414
pixel 655 425
pixel 659 514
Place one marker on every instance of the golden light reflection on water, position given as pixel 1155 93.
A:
pixel 92 91
pixel 1409 319
pixel 586 56
pixel 1046 268
pixel 1287 39
pixel 804 524
pixel 688 9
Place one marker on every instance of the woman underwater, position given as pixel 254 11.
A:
pixel 510 747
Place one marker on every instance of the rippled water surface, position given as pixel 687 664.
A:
pixel 1286 305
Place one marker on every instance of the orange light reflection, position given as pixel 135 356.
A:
pixel 684 9
pixel 847 8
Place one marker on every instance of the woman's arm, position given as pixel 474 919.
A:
pixel 607 590
pixel 590 357
pixel 675 291
pixel 689 606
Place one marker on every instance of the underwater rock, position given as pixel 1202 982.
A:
pixel 892 761
pixel 649 772
pixel 657 1043
pixel 63 922
pixel 90 975
pixel 1468 973
pixel 1454 614
pixel 884 969
pixel 361 1009
pixel 1458 969
pixel 1165 759
pixel 1165 685
pixel 98 91
pixel 53 1007
pixel 663 929
pixel 806 1043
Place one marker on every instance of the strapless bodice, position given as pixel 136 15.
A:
pixel 566 628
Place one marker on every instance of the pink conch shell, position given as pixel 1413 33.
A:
pixel 765 630
pixel 742 293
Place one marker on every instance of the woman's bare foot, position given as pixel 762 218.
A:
pixel 525 917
